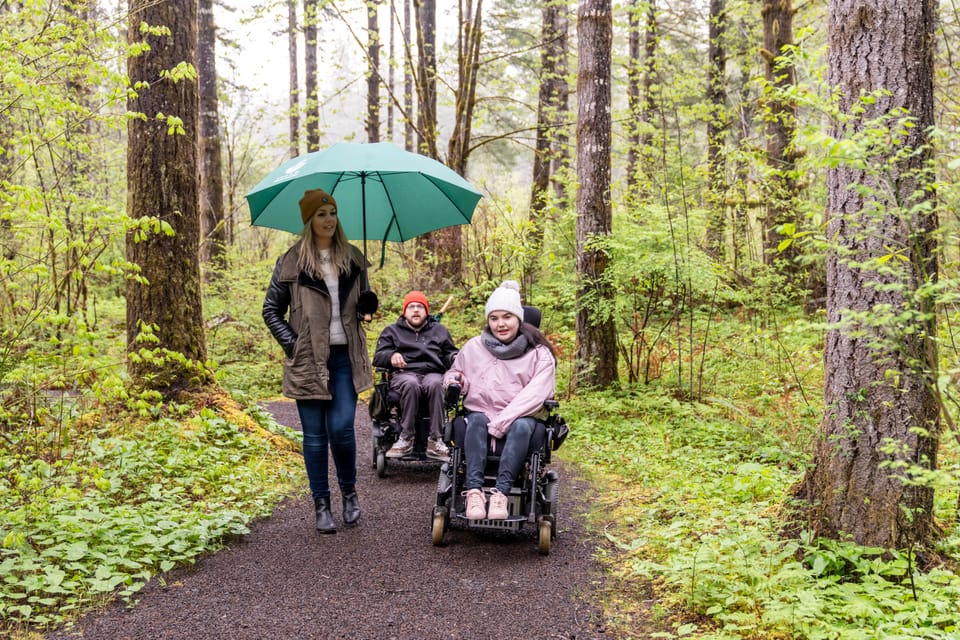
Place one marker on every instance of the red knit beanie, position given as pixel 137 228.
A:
pixel 415 296
pixel 311 201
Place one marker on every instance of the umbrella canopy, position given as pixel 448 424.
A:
pixel 382 192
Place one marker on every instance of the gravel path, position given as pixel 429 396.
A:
pixel 379 581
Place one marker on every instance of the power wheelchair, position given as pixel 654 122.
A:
pixel 533 499
pixel 386 427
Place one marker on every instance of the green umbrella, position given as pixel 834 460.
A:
pixel 382 192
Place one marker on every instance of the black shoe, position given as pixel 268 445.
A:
pixel 325 522
pixel 351 508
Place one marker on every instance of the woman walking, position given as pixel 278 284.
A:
pixel 321 282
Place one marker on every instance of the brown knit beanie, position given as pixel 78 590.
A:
pixel 311 201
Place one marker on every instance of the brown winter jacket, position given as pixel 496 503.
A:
pixel 305 335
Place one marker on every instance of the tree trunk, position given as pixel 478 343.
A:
pixel 391 60
pixel 780 117
pixel 596 351
pixel 373 74
pixel 716 127
pixel 407 80
pixel 77 134
pixel 645 158
pixel 426 19
pixel 162 183
pixel 547 107
pixel 212 223
pixel 560 160
pixel 294 81
pixel 447 243
pixel 310 74
pixel 634 74
pixel 879 377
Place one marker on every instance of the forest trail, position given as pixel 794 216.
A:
pixel 381 580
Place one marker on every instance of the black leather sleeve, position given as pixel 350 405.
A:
pixel 275 306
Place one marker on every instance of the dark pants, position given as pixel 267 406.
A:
pixel 515 449
pixel 411 386
pixel 330 423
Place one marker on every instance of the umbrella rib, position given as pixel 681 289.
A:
pixel 445 195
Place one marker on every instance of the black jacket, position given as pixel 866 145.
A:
pixel 429 349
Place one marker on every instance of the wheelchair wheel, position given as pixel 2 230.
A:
pixel 381 464
pixel 546 537
pixel 439 526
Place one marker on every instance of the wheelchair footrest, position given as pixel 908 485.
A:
pixel 510 524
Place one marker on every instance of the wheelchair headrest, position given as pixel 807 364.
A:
pixel 532 315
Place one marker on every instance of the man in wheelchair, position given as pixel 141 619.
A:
pixel 416 350
pixel 506 375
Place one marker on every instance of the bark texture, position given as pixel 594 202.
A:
pixel 292 58
pixel 552 56
pixel 716 126
pixel 426 20
pixel 373 73
pixel 596 352
pixel 878 380
pixel 310 74
pixel 781 119
pixel 213 225
pixel 162 182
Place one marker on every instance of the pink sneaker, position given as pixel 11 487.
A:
pixel 498 506
pixel 476 505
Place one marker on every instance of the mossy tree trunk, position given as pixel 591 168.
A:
pixel 596 351
pixel 164 311
pixel 881 424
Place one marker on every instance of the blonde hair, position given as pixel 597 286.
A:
pixel 340 252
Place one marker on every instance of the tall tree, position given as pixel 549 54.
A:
pixel 373 73
pixel 294 100
pixel 391 69
pixel 164 310
pixel 426 21
pixel 634 73
pixel 780 115
pixel 596 351
pixel 551 56
pixel 716 125
pixel 640 100
pixel 881 415
pixel 310 13
pixel 212 224
pixel 407 80
pixel 560 147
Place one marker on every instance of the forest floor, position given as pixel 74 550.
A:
pixel 381 580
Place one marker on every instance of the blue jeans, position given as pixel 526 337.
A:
pixel 511 458
pixel 330 423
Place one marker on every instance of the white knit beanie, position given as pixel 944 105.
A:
pixel 505 298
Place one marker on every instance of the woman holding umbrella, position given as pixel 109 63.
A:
pixel 321 281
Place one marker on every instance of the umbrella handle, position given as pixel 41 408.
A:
pixel 446 304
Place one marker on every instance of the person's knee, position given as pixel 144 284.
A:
pixel 523 427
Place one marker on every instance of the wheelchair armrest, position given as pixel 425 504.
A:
pixel 551 404
pixel 453 395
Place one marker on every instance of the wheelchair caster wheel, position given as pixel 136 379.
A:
pixel 439 526
pixel 546 530
pixel 381 464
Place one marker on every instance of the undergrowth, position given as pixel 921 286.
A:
pixel 691 508
pixel 131 499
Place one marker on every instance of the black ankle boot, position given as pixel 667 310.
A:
pixel 351 508
pixel 324 517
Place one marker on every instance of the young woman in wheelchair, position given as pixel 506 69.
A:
pixel 505 375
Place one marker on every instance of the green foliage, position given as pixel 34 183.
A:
pixel 127 501
pixel 692 503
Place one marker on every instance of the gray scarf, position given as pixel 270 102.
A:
pixel 501 351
